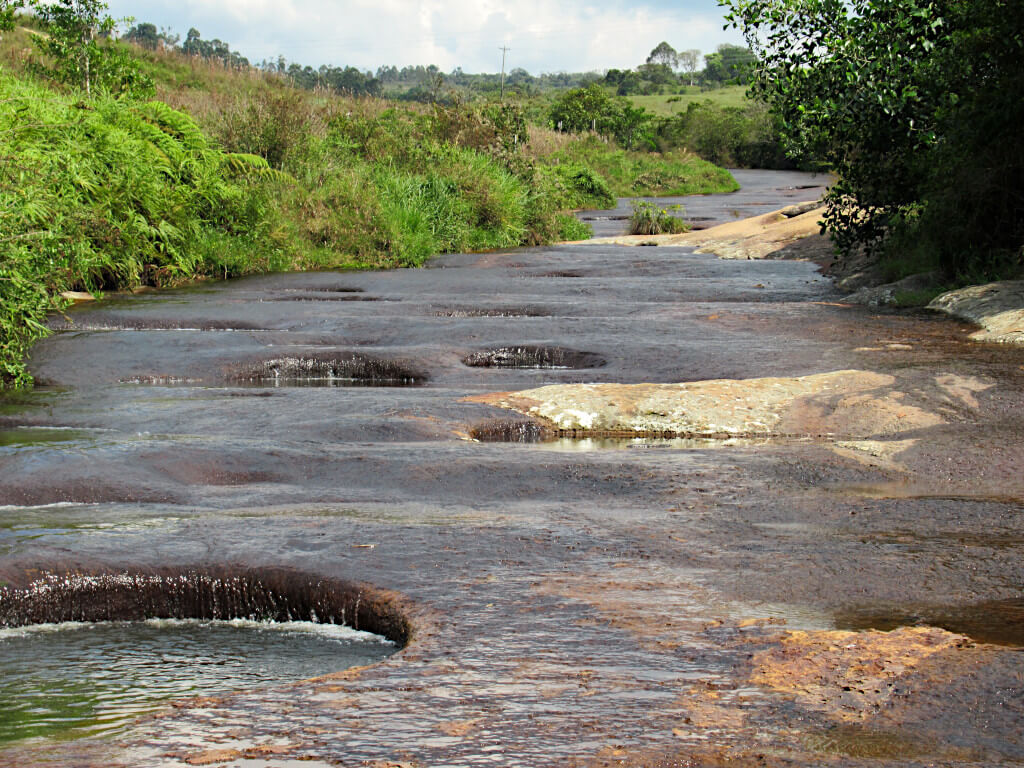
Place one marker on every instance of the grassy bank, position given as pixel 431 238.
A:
pixel 230 172
pixel 668 104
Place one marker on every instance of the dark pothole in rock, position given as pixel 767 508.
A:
pixel 560 273
pixel 511 431
pixel 457 312
pixel 326 370
pixel 99 321
pixel 324 289
pixel 533 356
pixel 325 296
pixel 86 654
pixel 999 622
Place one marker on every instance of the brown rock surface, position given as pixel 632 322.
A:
pixel 848 403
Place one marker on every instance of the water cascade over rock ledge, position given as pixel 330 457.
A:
pixel 262 594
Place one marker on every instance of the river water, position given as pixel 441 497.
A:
pixel 572 603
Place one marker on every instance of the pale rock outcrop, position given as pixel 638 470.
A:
pixel 997 307
pixel 850 404
pixel 792 232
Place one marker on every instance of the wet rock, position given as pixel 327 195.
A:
pixel 849 403
pixel 888 295
pixel 997 307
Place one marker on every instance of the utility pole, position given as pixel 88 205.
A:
pixel 504 50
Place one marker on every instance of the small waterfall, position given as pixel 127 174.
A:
pixel 530 356
pixel 260 595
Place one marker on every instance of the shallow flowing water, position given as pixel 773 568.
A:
pixel 569 602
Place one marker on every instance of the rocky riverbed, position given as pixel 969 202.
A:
pixel 798 543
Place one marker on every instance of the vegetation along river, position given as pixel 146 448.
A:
pixel 819 567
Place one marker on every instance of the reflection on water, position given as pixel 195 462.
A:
pixel 999 622
pixel 72 680
pixel 587 444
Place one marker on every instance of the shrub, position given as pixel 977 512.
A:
pixel 649 219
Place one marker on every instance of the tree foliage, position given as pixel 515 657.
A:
pixel 8 9
pixel 689 62
pixel 665 54
pixel 194 45
pixel 79 54
pixel 592 109
pixel 917 105
pixel 146 35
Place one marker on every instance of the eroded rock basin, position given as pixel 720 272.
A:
pixel 810 595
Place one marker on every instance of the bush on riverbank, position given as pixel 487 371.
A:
pixel 746 136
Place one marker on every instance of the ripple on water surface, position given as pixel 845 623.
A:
pixel 78 679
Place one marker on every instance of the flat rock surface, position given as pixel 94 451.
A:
pixel 573 601
pixel 777 234
pixel 844 403
pixel 997 307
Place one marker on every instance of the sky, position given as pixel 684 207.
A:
pixel 542 35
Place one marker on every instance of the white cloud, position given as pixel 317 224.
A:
pixel 572 35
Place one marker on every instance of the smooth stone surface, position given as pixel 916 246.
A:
pixel 997 307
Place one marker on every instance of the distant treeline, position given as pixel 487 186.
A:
pixel 410 83
pixel 666 70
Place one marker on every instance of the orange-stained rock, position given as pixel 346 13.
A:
pixel 848 675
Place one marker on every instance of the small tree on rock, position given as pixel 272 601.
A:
pixel 76 42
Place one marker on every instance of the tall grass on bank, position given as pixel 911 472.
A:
pixel 108 194
pixel 645 174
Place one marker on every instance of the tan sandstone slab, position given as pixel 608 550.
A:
pixel 997 307
pixel 850 403
pixel 758 237
pixel 848 675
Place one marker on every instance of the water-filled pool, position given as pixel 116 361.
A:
pixel 76 679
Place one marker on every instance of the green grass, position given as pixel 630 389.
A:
pixel 666 105
pixel 232 172
pixel 650 219
pixel 109 194
pixel 645 174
